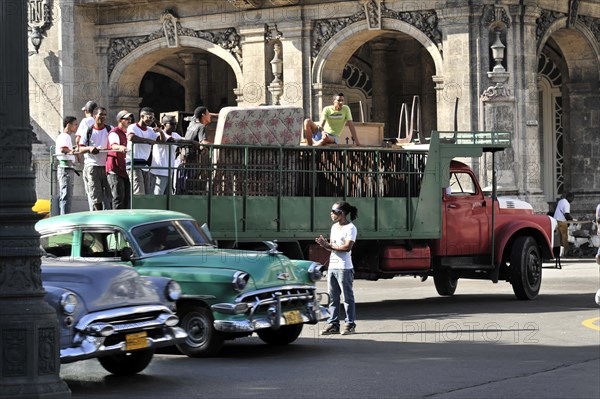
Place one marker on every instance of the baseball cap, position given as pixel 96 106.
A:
pixel 124 115
pixel 90 106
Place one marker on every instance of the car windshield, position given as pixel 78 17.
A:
pixel 167 235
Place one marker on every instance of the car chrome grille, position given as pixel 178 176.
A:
pixel 126 319
pixel 291 297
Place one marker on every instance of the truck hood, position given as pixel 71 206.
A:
pixel 266 270
pixel 101 286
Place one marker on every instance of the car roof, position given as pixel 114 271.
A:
pixel 124 218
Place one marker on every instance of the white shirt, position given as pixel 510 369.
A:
pixel 141 151
pixel 160 155
pixel 98 138
pixel 339 235
pixel 562 207
pixel 64 140
pixel 84 125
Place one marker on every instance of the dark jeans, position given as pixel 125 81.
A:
pixel 120 188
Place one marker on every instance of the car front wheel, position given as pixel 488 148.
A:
pixel 127 363
pixel 202 340
pixel 282 336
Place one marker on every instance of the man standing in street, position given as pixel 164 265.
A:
pixel 141 136
pixel 333 120
pixel 562 214
pixel 88 110
pixel 66 164
pixel 92 142
pixel 116 170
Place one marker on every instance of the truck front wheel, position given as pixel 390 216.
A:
pixel 525 268
pixel 445 283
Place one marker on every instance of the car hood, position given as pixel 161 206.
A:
pixel 101 286
pixel 266 270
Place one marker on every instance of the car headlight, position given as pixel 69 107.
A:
pixel 314 271
pixel 69 302
pixel 173 290
pixel 240 280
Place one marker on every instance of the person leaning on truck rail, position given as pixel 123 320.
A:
pixel 340 275
pixel 333 119
pixel 562 215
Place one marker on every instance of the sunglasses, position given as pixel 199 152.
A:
pixel 337 211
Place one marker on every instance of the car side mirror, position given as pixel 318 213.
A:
pixel 126 254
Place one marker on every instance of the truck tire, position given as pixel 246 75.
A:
pixel 525 268
pixel 127 363
pixel 283 336
pixel 445 284
pixel 202 340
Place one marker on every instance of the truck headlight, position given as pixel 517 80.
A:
pixel 314 271
pixel 239 281
pixel 173 290
pixel 68 303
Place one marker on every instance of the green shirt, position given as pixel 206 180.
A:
pixel 335 120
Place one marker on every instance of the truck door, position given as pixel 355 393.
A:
pixel 466 216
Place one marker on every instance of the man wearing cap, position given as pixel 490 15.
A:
pixel 116 171
pixel 88 109
pixel 94 140
pixel 143 136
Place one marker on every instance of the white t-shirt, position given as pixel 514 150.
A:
pixel 142 151
pixel 160 155
pixel 98 138
pixel 64 140
pixel 339 235
pixel 84 125
pixel 562 207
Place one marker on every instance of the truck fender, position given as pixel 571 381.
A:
pixel 543 234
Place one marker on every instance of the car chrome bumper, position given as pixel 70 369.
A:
pixel 91 341
pixel 312 313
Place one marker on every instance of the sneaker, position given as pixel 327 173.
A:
pixel 349 328
pixel 331 329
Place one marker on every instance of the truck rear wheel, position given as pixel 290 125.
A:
pixel 445 284
pixel 525 268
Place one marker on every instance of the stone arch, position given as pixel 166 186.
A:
pixel 587 65
pixel 171 74
pixel 331 59
pixel 124 80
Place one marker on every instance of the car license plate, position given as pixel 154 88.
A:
pixel 292 317
pixel 136 341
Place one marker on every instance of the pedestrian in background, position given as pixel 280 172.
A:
pixel 116 169
pixel 562 214
pixel 340 275
pixel 85 123
pixel 66 164
pixel 143 136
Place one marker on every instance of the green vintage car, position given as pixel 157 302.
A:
pixel 226 293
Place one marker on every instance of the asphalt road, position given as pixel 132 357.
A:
pixel 410 343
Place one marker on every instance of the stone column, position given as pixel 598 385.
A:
pixel 192 86
pixel 292 43
pixel 380 98
pixel 254 89
pixel 203 80
pixel 29 335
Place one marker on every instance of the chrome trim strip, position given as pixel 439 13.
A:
pixel 109 314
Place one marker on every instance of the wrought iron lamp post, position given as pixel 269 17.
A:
pixel 29 337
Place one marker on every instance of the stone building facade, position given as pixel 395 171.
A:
pixel 530 67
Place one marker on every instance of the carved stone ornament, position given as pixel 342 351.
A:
pixel 169 21
pixel 544 21
pixel 39 20
pixel 494 14
pixel 425 21
pixel 573 10
pixel 593 25
pixel 497 92
pixel 246 4
pixel 272 33
pixel 373 13
pixel 227 39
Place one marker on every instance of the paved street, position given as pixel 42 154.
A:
pixel 410 343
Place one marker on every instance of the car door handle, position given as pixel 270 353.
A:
pixel 451 206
